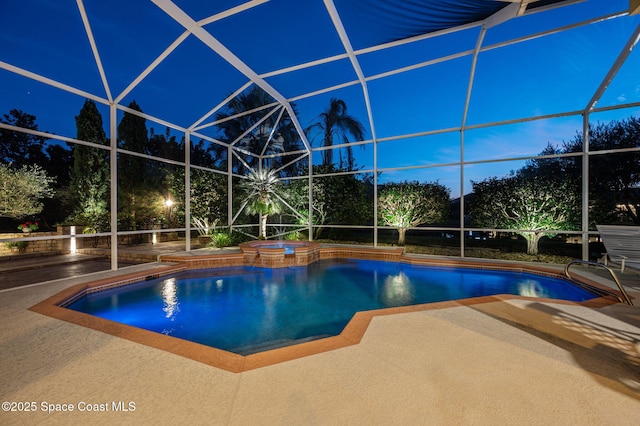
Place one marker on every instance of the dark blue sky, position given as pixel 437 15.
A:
pixel 549 75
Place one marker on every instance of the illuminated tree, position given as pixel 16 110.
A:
pixel 90 177
pixel 408 204
pixel 533 206
pixel 18 149
pixel 208 194
pixel 21 190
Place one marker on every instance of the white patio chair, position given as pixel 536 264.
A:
pixel 622 243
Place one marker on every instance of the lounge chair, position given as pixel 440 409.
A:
pixel 622 243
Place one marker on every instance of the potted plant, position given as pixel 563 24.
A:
pixel 28 227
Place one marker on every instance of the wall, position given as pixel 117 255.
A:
pixel 44 246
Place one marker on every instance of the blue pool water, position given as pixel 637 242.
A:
pixel 246 310
pixel 288 249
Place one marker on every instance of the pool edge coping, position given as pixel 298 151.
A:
pixel 351 335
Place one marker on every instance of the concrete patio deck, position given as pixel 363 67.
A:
pixel 500 362
pixel 26 269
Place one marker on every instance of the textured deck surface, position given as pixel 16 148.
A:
pixel 499 362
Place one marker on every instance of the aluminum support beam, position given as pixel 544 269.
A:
pixel 113 167
pixel 187 189
pixel 342 33
pixel 94 48
pixel 622 57
pixel 194 28
pixel 585 187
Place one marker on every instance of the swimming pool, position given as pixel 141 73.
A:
pixel 246 310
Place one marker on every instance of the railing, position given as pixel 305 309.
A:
pixel 625 298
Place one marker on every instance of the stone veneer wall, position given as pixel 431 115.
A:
pixel 124 256
pixel 34 247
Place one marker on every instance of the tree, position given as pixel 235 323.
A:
pixel 339 199
pixel 133 174
pixel 296 193
pixel 259 196
pixel 211 155
pixel 59 166
pixel 274 135
pixel 19 148
pixel 531 205
pixel 614 178
pixel 348 197
pixel 208 194
pixel 158 174
pixel 408 204
pixel 90 177
pixel 335 125
pixel 22 190
pixel 165 145
pixel 132 131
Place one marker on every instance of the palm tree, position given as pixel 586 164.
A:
pixel 260 196
pixel 279 135
pixel 335 124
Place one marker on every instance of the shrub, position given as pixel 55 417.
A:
pixel 292 236
pixel 221 239
pixel 18 244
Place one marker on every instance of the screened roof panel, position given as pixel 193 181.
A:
pixel 186 97
pixel 417 52
pixel 210 132
pixel 363 155
pixel 312 79
pixel 129 37
pixel 233 43
pixel 279 34
pixel 373 22
pixel 309 110
pixel 625 87
pixel 519 139
pixel 234 104
pixel 48 38
pixel 441 148
pixel 199 9
pixel 530 79
pixel 420 100
pixel 553 18
pixel 55 110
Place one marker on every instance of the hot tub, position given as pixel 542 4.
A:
pixel 280 253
